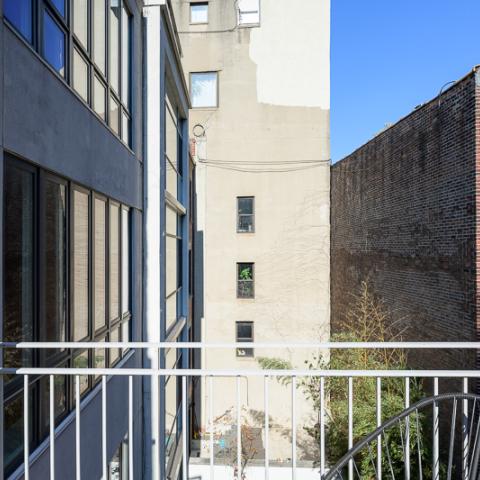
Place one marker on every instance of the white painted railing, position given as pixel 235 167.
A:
pixel 211 374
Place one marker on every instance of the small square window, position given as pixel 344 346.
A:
pixel 245 215
pixel 199 12
pixel 204 89
pixel 244 333
pixel 245 280
pixel 248 12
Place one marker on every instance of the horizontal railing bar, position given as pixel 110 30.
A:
pixel 193 345
pixel 242 373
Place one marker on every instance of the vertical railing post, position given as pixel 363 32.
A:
pixel 350 425
pixel 78 468
pixel 294 428
pixel 104 427
pixel 212 445
pixel 465 432
pixel 435 458
pixel 379 423
pixel 52 427
pixel 267 424
pixel 184 429
pixel 130 427
pixel 239 432
pixel 322 426
pixel 26 436
pixel 407 430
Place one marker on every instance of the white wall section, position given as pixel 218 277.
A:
pixel 292 58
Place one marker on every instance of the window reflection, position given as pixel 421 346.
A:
pixel 53 44
pixel 55 261
pixel 19 14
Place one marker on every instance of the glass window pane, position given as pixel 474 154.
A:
pixel 55 257
pixel 99 263
pixel 115 12
pixel 171 311
pixel 99 97
pixel 125 128
pixel 171 404
pixel 126 333
pixel 13 433
pixel 81 361
pixel 18 263
pixel 199 12
pixel 204 89
pixel 99 34
pixel 172 179
pixel 113 119
pixel 125 261
pixel 115 352
pixel 114 261
pixel 99 359
pixel 171 138
pixel 60 6
pixel 80 21
pixel 126 56
pixel 60 399
pixel 53 44
pixel 80 265
pixel 244 331
pixel 245 205
pixel 245 283
pixel 171 265
pixel 80 75
pixel 171 221
pixel 19 14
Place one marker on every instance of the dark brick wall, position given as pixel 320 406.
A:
pixel 404 216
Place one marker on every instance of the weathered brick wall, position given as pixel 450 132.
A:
pixel 403 215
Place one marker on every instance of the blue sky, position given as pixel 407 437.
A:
pixel 389 56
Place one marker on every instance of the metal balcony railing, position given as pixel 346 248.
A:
pixel 468 417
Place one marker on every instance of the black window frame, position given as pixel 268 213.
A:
pixel 241 282
pixel 241 215
pixel 65 357
pixel 196 3
pixel 248 352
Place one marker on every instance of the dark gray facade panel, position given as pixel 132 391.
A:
pixel 48 125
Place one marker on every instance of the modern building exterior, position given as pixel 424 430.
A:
pixel 405 218
pixel 258 73
pixel 95 179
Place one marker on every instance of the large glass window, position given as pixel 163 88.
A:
pixel 100 272
pixel 54 219
pixel 19 14
pixel 18 262
pixel 53 43
pixel 74 42
pixel 80 21
pixel 50 248
pixel 204 89
pixel 114 28
pixel 80 75
pixel 99 34
pixel 80 264
pixel 114 259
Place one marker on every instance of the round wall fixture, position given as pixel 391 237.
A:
pixel 198 130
